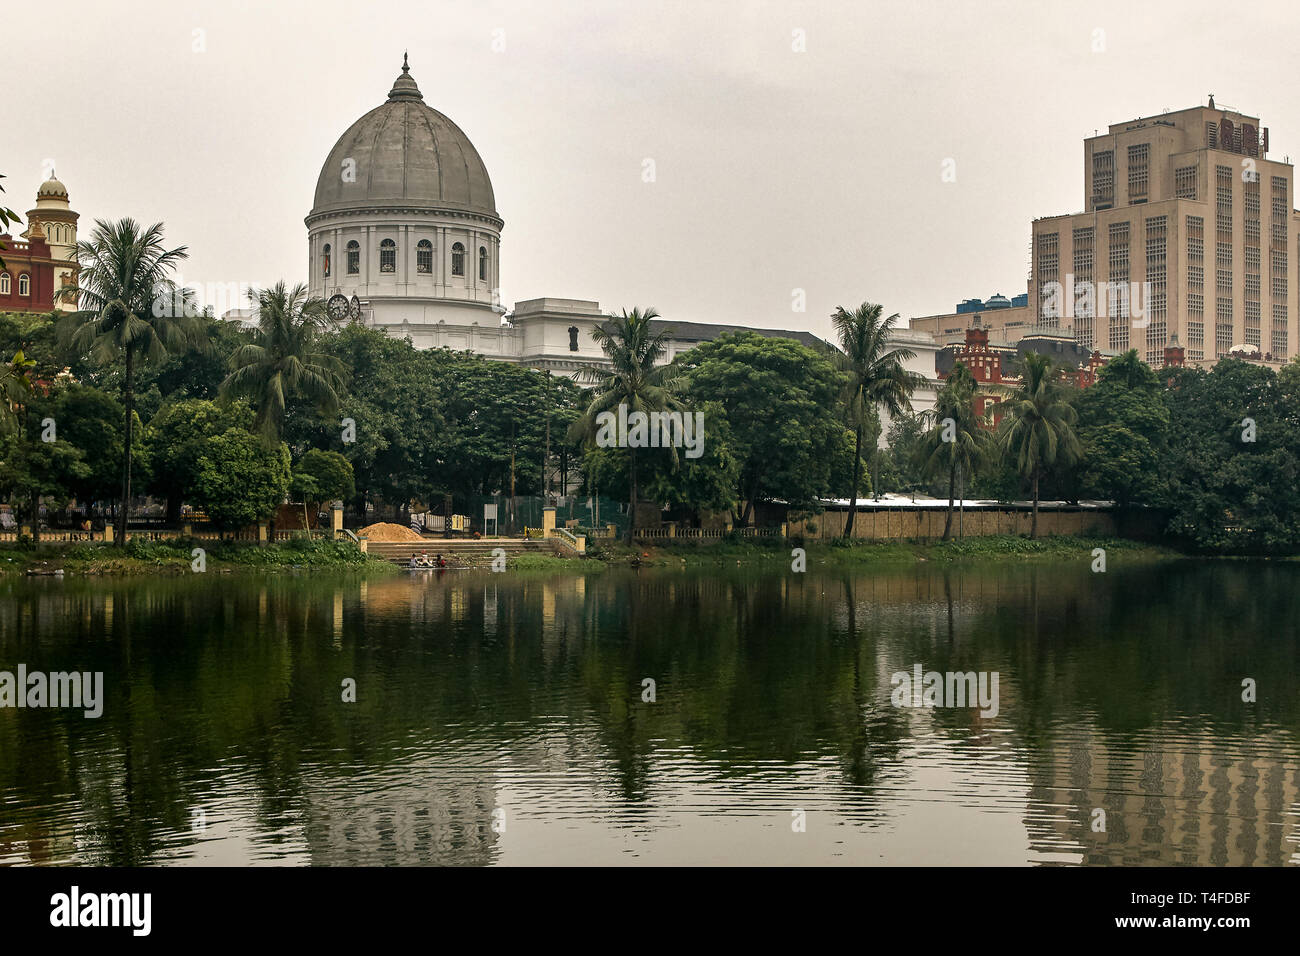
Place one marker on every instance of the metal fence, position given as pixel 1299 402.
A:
pixel 516 514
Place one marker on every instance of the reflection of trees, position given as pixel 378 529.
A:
pixel 233 681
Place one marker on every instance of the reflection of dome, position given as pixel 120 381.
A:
pixel 406 153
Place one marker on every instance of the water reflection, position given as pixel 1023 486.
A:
pixel 499 718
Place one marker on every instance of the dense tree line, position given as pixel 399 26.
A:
pixel 123 398
pixel 1210 455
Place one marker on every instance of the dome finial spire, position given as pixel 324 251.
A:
pixel 404 87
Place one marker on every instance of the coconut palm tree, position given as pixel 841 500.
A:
pixel 1038 425
pixel 876 377
pixel 636 380
pixel 956 442
pixel 129 309
pixel 281 363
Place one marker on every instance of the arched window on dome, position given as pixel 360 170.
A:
pixel 24 284
pixel 388 256
pixel 482 263
pixel 4 283
pixel 354 257
pixel 458 260
pixel 325 261
pixel 424 257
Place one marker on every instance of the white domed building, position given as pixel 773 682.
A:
pixel 404 236
pixel 404 232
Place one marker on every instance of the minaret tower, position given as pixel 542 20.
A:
pixel 59 223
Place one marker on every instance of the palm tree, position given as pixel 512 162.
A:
pixel 1129 370
pixel 281 364
pixel 956 442
pixel 636 380
pixel 1038 425
pixel 877 378
pixel 129 308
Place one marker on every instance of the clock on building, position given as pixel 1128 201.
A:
pixel 338 307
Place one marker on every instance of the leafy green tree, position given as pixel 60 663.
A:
pixel 393 399
pixel 178 437
pixel 282 362
pixel 708 483
pixel 330 472
pixel 321 476
pixel 196 372
pixel 240 480
pixel 636 380
pixel 7 217
pixel 32 468
pixel 1231 466
pixel 1123 421
pixel 91 420
pixel 1037 428
pixel 956 443
pixel 15 387
pixel 130 310
pixel 501 422
pixel 781 400
pixel 876 379
pixel 902 471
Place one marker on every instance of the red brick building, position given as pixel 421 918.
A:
pixel 27 279
pixel 44 260
pixel 995 364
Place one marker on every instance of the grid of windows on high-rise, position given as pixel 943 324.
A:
pixel 1222 326
pixel 1139 158
pixel 1185 182
pixel 1117 304
pixel 1085 304
pixel 1279 262
pixel 1195 288
pixel 1103 179
pixel 1049 277
pixel 1156 279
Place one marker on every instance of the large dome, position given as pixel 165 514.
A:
pixel 404 153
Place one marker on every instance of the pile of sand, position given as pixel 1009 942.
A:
pixel 387 531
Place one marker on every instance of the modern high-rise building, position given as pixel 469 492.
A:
pixel 1185 240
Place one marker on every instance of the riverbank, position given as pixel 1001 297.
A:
pixel 178 557
pixel 892 554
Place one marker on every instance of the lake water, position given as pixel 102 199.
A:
pixel 500 719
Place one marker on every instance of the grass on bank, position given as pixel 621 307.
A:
pixel 176 557
pixel 879 553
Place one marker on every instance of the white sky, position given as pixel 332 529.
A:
pixel 776 170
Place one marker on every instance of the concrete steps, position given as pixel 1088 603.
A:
pixel 462 552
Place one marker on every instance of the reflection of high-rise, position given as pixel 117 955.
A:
pixel 1202 796
pixel 427 811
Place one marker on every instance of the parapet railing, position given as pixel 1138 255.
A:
pixel 672 532
pixel 570 541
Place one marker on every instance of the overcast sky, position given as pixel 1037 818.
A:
pixel 775 169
